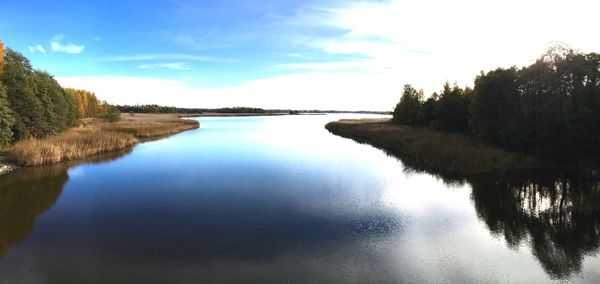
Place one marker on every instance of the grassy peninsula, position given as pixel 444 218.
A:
pixel 427 149
pixel 94 136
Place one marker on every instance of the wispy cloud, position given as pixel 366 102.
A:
pixel 36 48
pixel 454 42
pixel 172 66
pixel 155 57
pixel 57 46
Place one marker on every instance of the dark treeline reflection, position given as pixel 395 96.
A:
pixel 24 195
pixel 557 216
pixel 28 192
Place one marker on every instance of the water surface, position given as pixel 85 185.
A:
pixel 279 199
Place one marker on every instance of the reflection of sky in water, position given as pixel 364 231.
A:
pixel 269 199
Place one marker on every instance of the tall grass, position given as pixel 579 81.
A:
pixel 94 137
pixel 427 149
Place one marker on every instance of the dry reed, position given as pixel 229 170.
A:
pixel 95 137
pixel 427 149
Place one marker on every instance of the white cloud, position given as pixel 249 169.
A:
pixel 429 42
pixel 57 46
pixel 172 66
pixel 37 48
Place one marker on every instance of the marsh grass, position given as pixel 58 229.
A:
pixel 430 150
pixel 94 136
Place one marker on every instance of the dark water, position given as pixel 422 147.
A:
pixel 279 199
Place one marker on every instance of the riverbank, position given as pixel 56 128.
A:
pixel 94 136
pixel 427 149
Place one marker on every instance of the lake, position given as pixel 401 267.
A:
pixel 281 200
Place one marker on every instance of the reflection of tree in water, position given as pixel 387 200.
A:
pixel 559 217
pixel 28 192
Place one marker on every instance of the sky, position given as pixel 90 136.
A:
pixel 329 54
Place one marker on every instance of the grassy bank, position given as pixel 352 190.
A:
pixel 426 149
pixel 96 136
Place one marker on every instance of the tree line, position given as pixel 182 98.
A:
pixel 550 109
pixel 153 108
pixel 34 105
pixel 156 109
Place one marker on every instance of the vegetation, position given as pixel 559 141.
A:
pixel 86 103
pixel 96 136
pixel 112 114
pixel 156 109
pixel 240 110
pixel 34 105
pixel 447 154
pixel 550 109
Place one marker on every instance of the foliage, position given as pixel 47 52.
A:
pixel 497 115
pixel 240 110
pixel 156 109
pixel 550 109
pixel 112 114
pixel 86 103
pixel 408 110
pixel 6 116
pixel 34 105
pixel 6 120
pixel 1 55
pixel 451 111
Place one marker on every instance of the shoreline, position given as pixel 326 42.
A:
pixel 446 154
pixel 93 137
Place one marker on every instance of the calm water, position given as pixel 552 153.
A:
pixel 279 199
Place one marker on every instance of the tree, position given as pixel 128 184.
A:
pixel 451 111
pixel 1 55
pixel 408 109
pixel 86 103
pixel 19 82
pixel 6 116
pixel 496 111
pixel 113 114
pixel 6 119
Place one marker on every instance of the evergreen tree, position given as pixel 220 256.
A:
pixel 407 111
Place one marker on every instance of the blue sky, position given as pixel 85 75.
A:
pixel 283 54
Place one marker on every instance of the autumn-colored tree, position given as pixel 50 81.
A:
pixel 86 103
pixel 1 55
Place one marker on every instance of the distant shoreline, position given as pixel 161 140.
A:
pixel 217 114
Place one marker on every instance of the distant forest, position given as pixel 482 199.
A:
pixel 550 109
pixel 153 108
pixel 33 104
pixel 167 109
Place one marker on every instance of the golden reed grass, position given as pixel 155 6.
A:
pixel 427 149
pixel 95 137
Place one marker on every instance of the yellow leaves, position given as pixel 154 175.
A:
pixel 1 55
pixel 86 103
